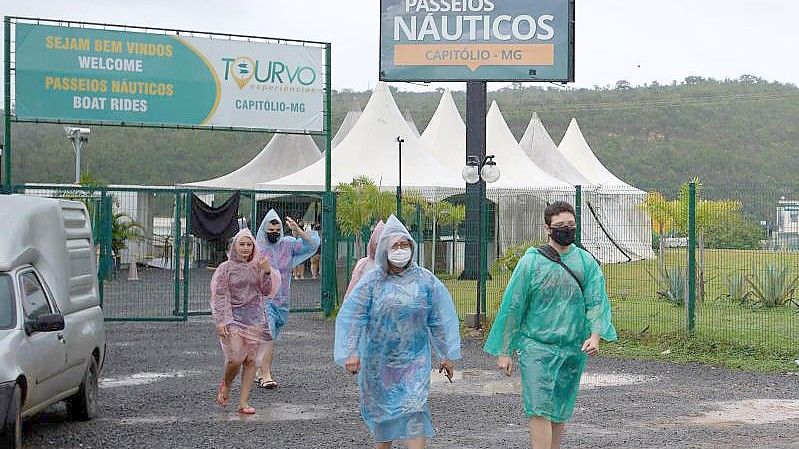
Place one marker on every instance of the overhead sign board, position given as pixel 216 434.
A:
pixel 489 40
pixel 87 74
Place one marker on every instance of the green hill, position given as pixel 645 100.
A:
pixel 728 133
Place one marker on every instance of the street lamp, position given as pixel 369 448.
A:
pixel 400 141
pixel 479 172
pixel 79 138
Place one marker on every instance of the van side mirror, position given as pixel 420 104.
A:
pixel 45 323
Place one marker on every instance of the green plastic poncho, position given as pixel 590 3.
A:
pixel 546 318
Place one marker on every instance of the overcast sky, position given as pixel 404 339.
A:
pixel 635 40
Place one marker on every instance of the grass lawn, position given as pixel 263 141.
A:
pixel 726 333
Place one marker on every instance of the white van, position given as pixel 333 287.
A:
pixel 52 336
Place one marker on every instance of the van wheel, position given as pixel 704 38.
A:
pixel 83 406
pixel 11 435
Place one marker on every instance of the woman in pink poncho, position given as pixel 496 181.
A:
pixel 239 288
pixel 367 263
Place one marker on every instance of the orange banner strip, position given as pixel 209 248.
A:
pixel 474 55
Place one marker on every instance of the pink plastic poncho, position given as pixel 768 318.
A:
pixel 367 263
pixel 238 291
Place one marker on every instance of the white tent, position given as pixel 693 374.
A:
pixel 347 124
pixel 517 170
pixel 411 123
pixel 445 135
pixel 523 190
pixel 541 149
pixel 615 228
pixel 370 149
pixel 284 154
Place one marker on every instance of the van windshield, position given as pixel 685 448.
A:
pixel 7 312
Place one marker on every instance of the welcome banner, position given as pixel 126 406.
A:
pixel 106 76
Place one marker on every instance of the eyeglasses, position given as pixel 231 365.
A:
pixel 402 244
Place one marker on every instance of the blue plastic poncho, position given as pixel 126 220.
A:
pixel 285 254
pixel 546 318
pixel 391 321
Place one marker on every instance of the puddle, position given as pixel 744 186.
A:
pixel 750 411
pixel 273 412
pixel 487 383
pixel 141 379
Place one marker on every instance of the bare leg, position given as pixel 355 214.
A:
pixel 265 372
pixel 231 371
pixel 416 443
pixel 383 445
pixel 557 433
pixel 247 377
pixel 540 433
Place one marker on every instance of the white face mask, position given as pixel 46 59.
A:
pixel 399 257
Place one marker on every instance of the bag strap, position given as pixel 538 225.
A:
pixel 553 255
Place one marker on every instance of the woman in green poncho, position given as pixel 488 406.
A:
pixel 554 318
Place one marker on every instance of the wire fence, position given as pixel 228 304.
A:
pixel 720 263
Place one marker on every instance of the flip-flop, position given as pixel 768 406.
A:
pixel 247 410
pixel 267 384
pixel 221 398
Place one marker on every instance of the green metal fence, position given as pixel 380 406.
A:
pixel 150 265
pixel 720 263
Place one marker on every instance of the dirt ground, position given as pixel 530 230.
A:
pixel 159 383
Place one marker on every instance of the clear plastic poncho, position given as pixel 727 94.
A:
pixel 546 318
pixel 238 291
pixel 284 255
pixel 391 321
pixel 366 263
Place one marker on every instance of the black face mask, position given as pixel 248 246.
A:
pixel 273 237
pixel 564 236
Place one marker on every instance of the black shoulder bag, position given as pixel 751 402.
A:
pixel 553 255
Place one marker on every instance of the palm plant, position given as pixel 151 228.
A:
pixel 667 215
pixel 123 228
pixel 773 285
pixel 737 288
pixel 360 203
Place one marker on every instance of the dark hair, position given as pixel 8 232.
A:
pixel 556 208
pixel 274 221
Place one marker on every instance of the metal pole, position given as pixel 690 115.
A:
pixel 77 143
pixel 475 147
pixel 176 252
pixel 7 110
pixel 691 306
pixel 328 236
pixel 400 140
pixel 578 208
pixel 479 317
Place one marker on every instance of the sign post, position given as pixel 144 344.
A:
pixel 477 41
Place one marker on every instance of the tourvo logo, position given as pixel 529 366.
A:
pixel 244 69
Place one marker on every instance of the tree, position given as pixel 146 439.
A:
pixel 360 203
pixel 623 85
pixel 673 215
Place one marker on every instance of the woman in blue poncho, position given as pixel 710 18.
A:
pixel 284 253
pixel 384 333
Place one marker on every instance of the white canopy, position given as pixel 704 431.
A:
pixel 284 154
pixel 445 135
pixel 577 152
pixel 411 123
pixel 349 121
pixel 370 149
pixel 541 149
pixel 615 228
pixel 517 171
